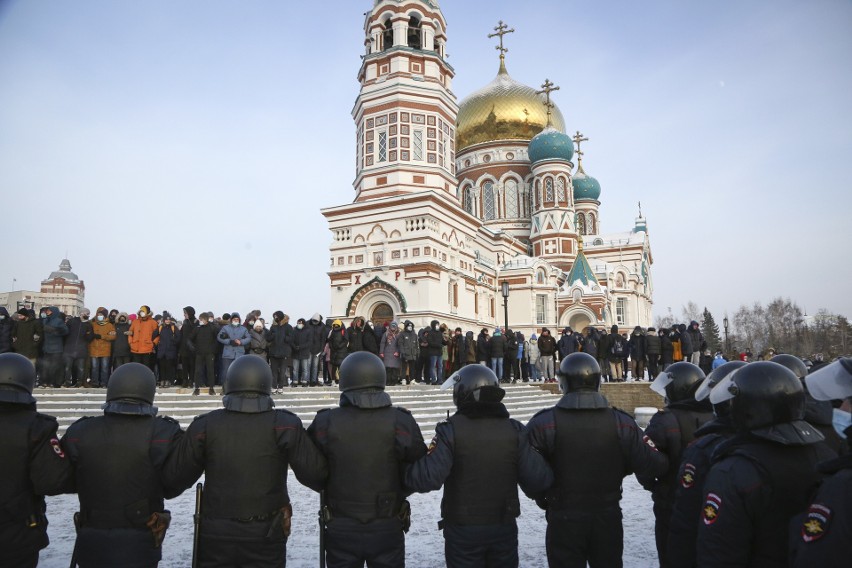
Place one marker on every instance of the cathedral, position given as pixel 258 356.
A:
pixel 476 212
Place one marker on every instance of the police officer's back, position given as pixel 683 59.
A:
pixel 480 442
pixel 244 450
pixel 694 467
pixel 762 476
pixel 671 430
pixel 118 460
pixel 591 448
pixel 33 465
pixel 368 443
pixel 823 535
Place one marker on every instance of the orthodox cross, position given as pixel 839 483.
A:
pixel 547 88
pixel 500 30
pixel 579 139
pixel 640 209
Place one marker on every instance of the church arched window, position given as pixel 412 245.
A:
pixel 469 201
pixel 525 200
pixel 540 276
pixel 548 190
pixel 489 209
pixel 511 189
pixel 414 33
pixel 591 224
pixel 560 191
pixel 581 224
pixel 387 35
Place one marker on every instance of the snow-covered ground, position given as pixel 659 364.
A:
pixel 424 543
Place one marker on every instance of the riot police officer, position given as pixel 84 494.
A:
pixel 694 467
pixel 591 448
pixel 822 536
pixel 480 442
pixel 34 465
pixel 118 460
pixel 671 430
pixel 763 475
pixel 244 450
pixel 368 443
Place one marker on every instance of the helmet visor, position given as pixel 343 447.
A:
pixel 725 390
pixel 707 386
pixel 832 382
pixel 661 382
pixel 451 381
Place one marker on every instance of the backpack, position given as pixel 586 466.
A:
pixel 617 348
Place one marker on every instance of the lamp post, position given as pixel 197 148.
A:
pixel 727 345
pixel 504 289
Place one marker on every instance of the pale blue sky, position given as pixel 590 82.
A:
pixel 180 152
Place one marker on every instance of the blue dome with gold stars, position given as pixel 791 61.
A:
pixel 586 188
pixel 551 144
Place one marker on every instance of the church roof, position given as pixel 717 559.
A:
pixel 64 272
pixel 581 271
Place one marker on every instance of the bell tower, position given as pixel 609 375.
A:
pixel 405 113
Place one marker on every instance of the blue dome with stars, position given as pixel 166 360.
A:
pixel 550 144
pixel 586 188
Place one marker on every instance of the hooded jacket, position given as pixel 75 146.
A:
pixel 389 347
pixel 25 334
pixel 409 349
pixel 434 340
pixel 546 344
pixel 228 336
pixel 55 331
pixel 7 326
pixel 103 336
pixel 142 338
pixel 168 341
pixel 78 338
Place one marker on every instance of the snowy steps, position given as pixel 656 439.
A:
pixel 428 404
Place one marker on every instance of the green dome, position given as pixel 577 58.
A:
pixel 586 188
pixel 551 144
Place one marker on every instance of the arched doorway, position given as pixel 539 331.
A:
pixel 579 321
pixel 382 313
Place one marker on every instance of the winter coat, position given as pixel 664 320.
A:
pixel 435 342
pixel 338 346
pixel 546 344
pixel 169 341
pixel 483 347
pixel 389 349
pixel 497 346
pixel 566 345
pixel 301 342
pixel 511 350
pixel 7 328
pixel 370 341
pixel 355 336
pixel 142 338
pixel 185 336
pixel 456 350
pixel 25 334
pixel 592 342
pixel 666 350
pixel 470 345
pixel 653 345
pixel 696 337
pixel 611 340
pixel 121 345
pixel 317 334
pixel 686 346
pixel 78 338
pixel 102 346
pixel 203 339
pixel 638 348
pixel 532 351
pixel 55 331
pixel 258 344
pixel 228 336
pixel 280 340
pixel 408 344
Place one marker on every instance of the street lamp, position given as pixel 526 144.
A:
pixel 727 345
pixel 504 289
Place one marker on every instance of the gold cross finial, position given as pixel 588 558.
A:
pixel 640 209
pixel 579 139
pixel 547 88
pixel 499 31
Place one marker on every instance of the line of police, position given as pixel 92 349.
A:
pixel 368 455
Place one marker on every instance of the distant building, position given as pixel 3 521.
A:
pixel 452 200
pixel 62 289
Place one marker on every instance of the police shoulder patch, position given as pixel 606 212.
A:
pixel 712 508
pixel 647 439
pixel 57 449
pixel 816 522
pixel 432 445
pixel 687 478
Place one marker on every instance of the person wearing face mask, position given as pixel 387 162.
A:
pixel 142 338
pixel 389 352
pixel 302 354
pixel 55 330
pixel 76 349
pixel 113 316
pixel 355 335
pixel 338 349
pixel 26 337
pixel 168 338
pixel 281 337
pixel 7 326
pixel 100 349
pixel 317 336
pixel 203 343
pixel 234 337
pixel 121 345
pixel 409 351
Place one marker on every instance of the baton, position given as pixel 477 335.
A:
pixel 196 520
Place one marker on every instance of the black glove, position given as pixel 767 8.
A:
pixel 96 335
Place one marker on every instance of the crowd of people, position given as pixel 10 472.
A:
pixel 196 350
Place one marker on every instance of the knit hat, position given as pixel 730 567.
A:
pixel 337 323
pixel 103 311
pixel 533 336
pixel 190 312
pixel 24 312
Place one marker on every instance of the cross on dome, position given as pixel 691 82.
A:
pixel 500 30
pixel 579 139
pixel 546 88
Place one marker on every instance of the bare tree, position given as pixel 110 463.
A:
pixel 691 312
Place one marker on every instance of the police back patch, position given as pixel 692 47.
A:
pixel 816 522
pixel 712 507
pixel 687 479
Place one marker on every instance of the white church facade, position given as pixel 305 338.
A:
pixel 458 203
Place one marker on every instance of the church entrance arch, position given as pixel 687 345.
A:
pixel 382 314
pixel 577 318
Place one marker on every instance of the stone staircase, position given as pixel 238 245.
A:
pixel 428 404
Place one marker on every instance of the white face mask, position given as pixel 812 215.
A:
pixel 100 318
pixel 300 326
pixel 141 314
pixel 202 322
pixel 235 323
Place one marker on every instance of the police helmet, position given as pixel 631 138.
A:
pixel 132 382
pixel 714 378
pixel 17 379
pixel 678 382
pixel 249 374
pixel 762 394
pixel 579 372
pixel 793 363
pixel 362 370
pixel 474 383
pixel 832 381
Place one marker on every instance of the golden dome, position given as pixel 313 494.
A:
pixel 503 110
